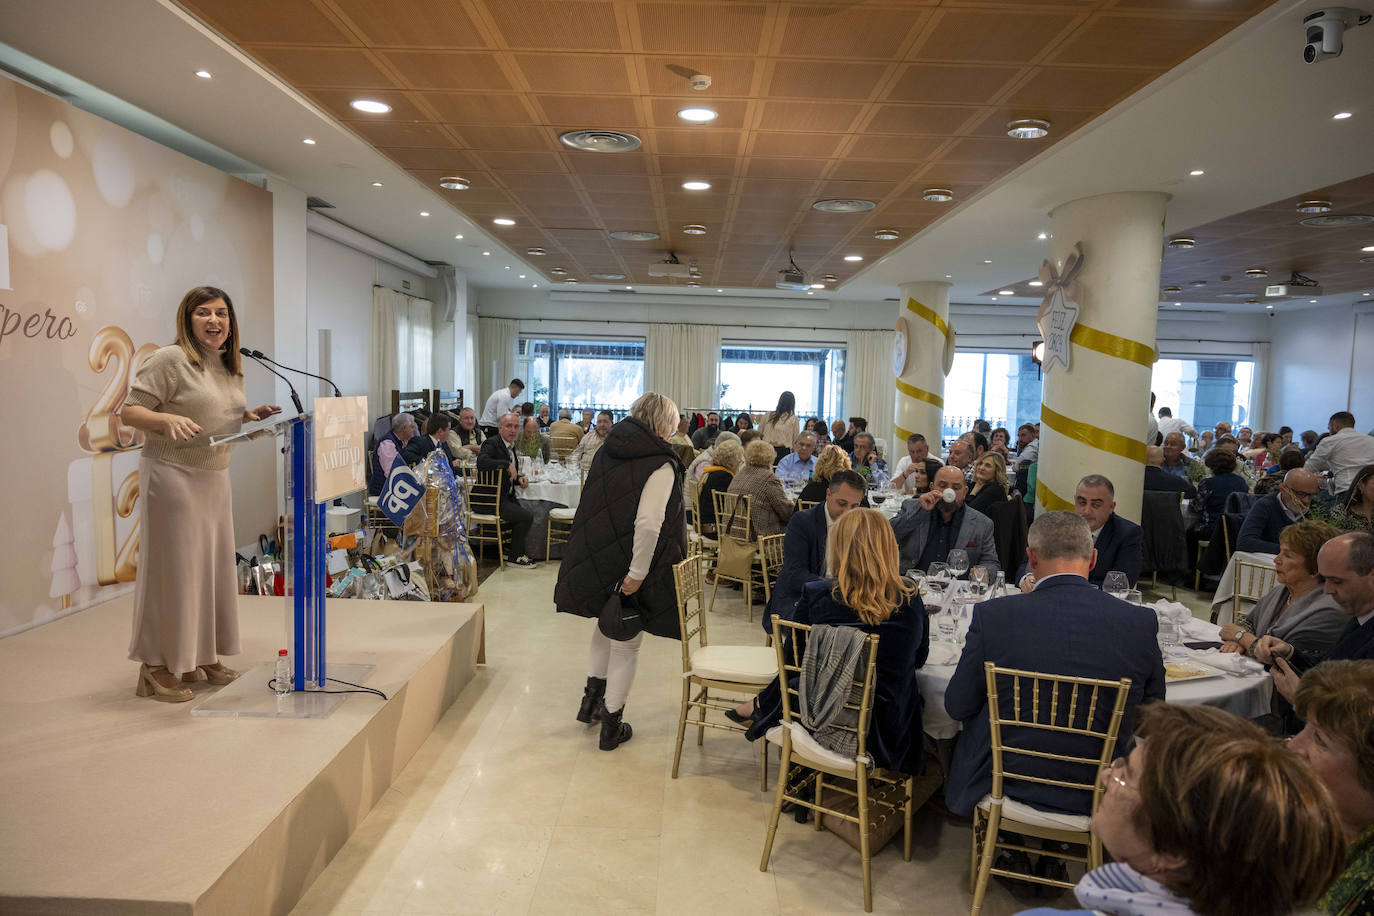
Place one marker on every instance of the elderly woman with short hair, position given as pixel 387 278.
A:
pixel 769 507
pixel 629 530
pixel 832 458
pixel 719 473
pixel 389 449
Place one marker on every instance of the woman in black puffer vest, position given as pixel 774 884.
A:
pixel 629 530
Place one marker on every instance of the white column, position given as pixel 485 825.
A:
pixel 920 406
pixel 1094 416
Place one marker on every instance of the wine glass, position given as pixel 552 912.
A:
pixel 1116 584
pixel 937 580
pixel 978 575
pixel 957 560
pixel 1133 596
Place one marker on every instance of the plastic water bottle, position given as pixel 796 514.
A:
pixel 281 680
pixel 999 585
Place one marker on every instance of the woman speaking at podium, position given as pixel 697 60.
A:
pixel 185 611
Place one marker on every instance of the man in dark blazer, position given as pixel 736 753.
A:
pixel 1259 533
pixel 1119 543
pixel 1156 481
pixel 436 436
pixel 498 454
pixel 1063 627
pixel 803 546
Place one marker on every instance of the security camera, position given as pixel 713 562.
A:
pixel 1324 29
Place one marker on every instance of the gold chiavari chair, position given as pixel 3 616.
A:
pixel 770 557
pixel 1029 702
pixel 737 553
pixel 484 510
pixel 805 762
pixel 1252 582
pixel 561 447
pixel 804 504
pixel 737 669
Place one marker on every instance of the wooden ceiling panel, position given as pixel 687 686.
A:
pixel 702 28
pixel 730 114
pixel 480 192
pixel 813 79
pixel 911 149
pixel 249 22
pixel 478 107
pixel 976 36
pixel 774 187
pixel 514 162
pixel 446 160
pixel 809 116
pixel 700 141
pixel 584 25
pixel 471 71
pixel 614 111
pixel 1140 41
pixel 860 32
pixel 488 137
pixel 325 68
pixel 924 120
pixel 585 163
pixel 1241 8
pixel 577 73
pixel 965 85
pixel 409 23
pixel 678 169
pixel 626 184
pixel 541 182
pixel 761 167
pixel 873 170
pixel 403 105
pixel 780 143
pixel 1095 89
pixel 1063 121
pixel 730 76
pixel 1005 150
pixel 864 190
pixel 400 133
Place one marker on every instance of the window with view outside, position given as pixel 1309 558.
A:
pixel 1205 391
pixel 596 374
pixel 1002 388
pixel 753 378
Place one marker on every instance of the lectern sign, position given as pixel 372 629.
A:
pixel 1059 310
pixel 340 438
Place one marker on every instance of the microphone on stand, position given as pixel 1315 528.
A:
pixel 258 354
pixel 295 398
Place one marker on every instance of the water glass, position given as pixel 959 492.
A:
pixel 1133 596
pixel 948 625
pixel 957 559
pixel 978 576
pixel 1116 584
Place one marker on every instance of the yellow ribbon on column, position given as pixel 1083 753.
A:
pixel 928 314
pixel 1113 345
pixel 920 394
pixel 1050 499
pixel 1101 439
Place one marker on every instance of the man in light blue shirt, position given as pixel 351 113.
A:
pixel 798 466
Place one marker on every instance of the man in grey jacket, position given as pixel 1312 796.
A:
pixel 928 528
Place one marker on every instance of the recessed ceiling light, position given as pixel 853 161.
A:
pixel 507 267
pixel 458 236
pixel 843 205
pixel 521 277
pixel 600 141
pixel 1198 283
pixel 629 287
pixel 536 252
pixel 809 293
pixel 454 183
pixel 818 286
pixel 830 278
pixel 697 185
pixel 887 235
pixel 634 235
pixel 376 184
pixel 203 74
pixel 1256 272
pixel 309 141
pixel 424 213
pixel 607 276
pixel 534 286
pixel 987 260
pixel 504 221
pixel 1005 292
pixel 1036 283
pixel 570 280
pixel 939 195
pixel 853 257
pixel 1197 172
pixel 1043 236
pixel 1313 301
pixel 559 271
pixel 1270 305
pixel 1028 129
pixel 1368 248
pixel 697 115
pixel 1178 303
pixel 371 106
pixel 720 290
pixel 1173 289
pixel 1182 241
pixel 1340 116
pixel 994 298
pixel 486 254
pixel 693 282
pixel 1339 221
pixel 1365 294
pixel 1315 206
pixel 949 276
pixel 693 229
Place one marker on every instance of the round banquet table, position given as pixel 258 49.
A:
pixel 541 497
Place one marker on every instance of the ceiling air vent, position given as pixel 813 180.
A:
pixel 600 141
pixel 318 203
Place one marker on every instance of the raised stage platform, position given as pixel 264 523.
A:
pixel 113 804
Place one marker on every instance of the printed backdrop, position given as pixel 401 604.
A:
pixel 101 232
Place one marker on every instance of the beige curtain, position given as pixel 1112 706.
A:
pixel 497 339
pixel 869 388
pixel 682 361
pixel 402 346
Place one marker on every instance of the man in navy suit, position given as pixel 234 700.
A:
pixel 803 547
pixel 1063 627
pixel 1273 513
pixel 1119 543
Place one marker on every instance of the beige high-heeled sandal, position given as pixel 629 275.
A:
pixel 218 676
pixel 148 686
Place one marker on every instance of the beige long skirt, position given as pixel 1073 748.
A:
pixel 185 597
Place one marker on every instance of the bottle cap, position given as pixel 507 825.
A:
pixel 281 653
pixel 948 496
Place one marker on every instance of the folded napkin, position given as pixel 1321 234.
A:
pixel 1230 662
pixel 942 653
pixel 1201 630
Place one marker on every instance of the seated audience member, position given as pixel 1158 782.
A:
pixel 1342 453
pixel 706 436
pixel 1210 502
pixel 866 460
pixel 1275 512
pixel 989 483
pixel 526 411
pixel 817 425
pixel 1291 459
pixel 917 458
pixel 588 420
pixel 532 443
pixel 542 415
pixel 743 422
pixel 870 594
pixel 846 438
pixel 831 459
pixel 748 435
pixel 1119 543
pixel 1296 610
pixel 1000 442
pixel 1223 429
pixel 389 448
pixel 799 466
pixel 1309 439
pixel 1168 423
pixel 1063 626
pixel 1206 796
pixel 436 436
pixel 929 527
pixel 803 547
pixel 1157 481
pixel 837 433
pixel 564 434
pixel 465 439
pixel 681 437
pixel 1204 442
pixel 961 456
pixel 726 458
pixel 704 458
pixel 1357 513
pixel 1287 433
pixel 918 478
pixel 1027 444
pixel 498 454
pixel 586 449
pixel 1336 701
pixel 769 507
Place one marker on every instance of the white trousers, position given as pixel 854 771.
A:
pixel 616 662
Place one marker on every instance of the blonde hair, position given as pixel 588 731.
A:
pixel 862 550
pixel 186 335
pixel 727 454
pixel 759 454
pixel 1001 475
pixel 656 411
pixel 1339 695
pixel 832 459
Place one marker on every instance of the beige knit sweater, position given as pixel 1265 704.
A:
pixel 209 395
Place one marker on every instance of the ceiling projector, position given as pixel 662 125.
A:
pixel 792 276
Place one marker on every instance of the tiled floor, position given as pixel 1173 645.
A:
pixel 509 807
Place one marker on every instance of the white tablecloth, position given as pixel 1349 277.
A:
pixel 564 494
pixel 1226 588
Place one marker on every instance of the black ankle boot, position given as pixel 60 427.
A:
pixel 613 731
pixel 590 710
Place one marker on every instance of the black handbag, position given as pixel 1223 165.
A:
pixel 620 617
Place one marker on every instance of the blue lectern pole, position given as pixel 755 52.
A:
pixel 306 557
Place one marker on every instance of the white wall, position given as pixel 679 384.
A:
pixel 1321 364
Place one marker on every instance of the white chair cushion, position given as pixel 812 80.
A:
pixel 484 519
pixel 806 751
pixel 372 501
pixel 1025 814
pixel 746 664
pixel 563 515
